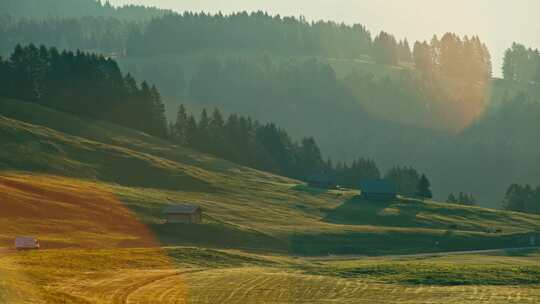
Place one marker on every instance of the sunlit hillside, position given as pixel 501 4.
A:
pixel 139 175
pixel 239 152
pixel 93 193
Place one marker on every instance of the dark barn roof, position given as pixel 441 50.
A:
pixel 181 209
pixel 378 186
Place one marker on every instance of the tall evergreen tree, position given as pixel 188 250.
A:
pixel 180 127
pixel 406 179
pixel 159 121
pixel 452 199
pixel 202 138
pixel 191 131
pixel 522 199
pixel 424 188
pixel 385 49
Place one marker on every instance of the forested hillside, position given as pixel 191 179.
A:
pixel 41 9
pixel 428 104
pixel 158 156
pixel 83 84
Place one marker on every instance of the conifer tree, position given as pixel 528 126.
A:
pixel 159 121
pixel 216 130
pixel 179 128
pixel 202 139
pixel 191 131
pixel 424 188
pixel 405 179
pixel 385 49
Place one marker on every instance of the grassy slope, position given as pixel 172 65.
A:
pixel 192 275
pixel 245 208
pixel 103 188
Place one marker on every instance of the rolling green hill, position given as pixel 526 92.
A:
pixel 244 208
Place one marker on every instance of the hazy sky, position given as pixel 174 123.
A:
pixel 497 22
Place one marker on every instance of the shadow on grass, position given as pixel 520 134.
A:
pixel 216 235
pixel 521 252
pixel 307 189
pixel 399 242
pixel 404 213
pixel 204 257
pixel 442 275
pixel 357 211
pixel 140 172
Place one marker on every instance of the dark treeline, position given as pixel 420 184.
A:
pixel 40 9
pixel 447 91
pixel 83 84
pixel 264 146
pixel 267 147
pixel 104 34
pixel 406 179
pixel 456 72
pixel 521 64
pixel 522 198
pixel 188 32
pixel 244 31
pixel 192 32
pixel 462 199
pixel 387 50
pixel 451 56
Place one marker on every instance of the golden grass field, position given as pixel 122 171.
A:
pixel 93 194
pixel 90 259
pixel 155 276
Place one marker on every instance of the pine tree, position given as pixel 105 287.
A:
pixel 423 57
pixel 407 54
pixel 385 49
pixel 216 130
pixel 191 131
pixel 405 179
pixel 452 199
pixel 144 111
pixel 424 186
pixel 159 121
pixel 309 157
pixel 202 140
pixel 404 49
pixel 179 128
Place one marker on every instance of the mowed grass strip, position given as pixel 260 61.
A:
pixel 193 275
pixel 517 267
pixel 262 285
pixel 433 274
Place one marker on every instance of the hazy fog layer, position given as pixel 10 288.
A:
pixel 498 22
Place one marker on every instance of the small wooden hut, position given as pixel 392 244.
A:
pixel 26 243
pixel 184 214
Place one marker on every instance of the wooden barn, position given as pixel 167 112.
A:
pixel 378 190
pixel 184 214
